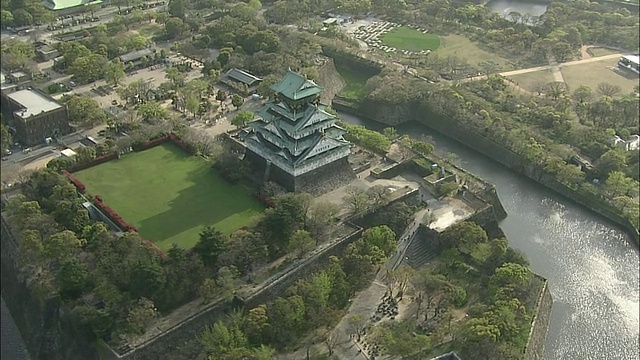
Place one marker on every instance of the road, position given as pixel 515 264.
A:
pixel 561 65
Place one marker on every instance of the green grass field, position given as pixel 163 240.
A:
pixel 170 196
pixel 529 81
pixel 406 38
pixel 462 47
pixel 354 83
pixel 594 73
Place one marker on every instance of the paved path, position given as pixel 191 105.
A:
pixel 561 65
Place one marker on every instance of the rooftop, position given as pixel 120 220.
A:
pixel 33 103
pixel 242 76
pixel 135 55
pixel 67 4
pixel 633 58
pixel 295 86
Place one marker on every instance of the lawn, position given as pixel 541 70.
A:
pixel 460 46
pixel 170 196
pixel 594 73
pixel 529 81
pixel 406 38
pixel 354 83
pixel 599 51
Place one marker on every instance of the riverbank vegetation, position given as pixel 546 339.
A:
pixel 478 297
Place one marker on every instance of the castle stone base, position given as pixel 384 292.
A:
pixel 315 182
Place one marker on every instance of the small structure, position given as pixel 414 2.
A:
pixel 632 143
pixel 46 53
pixel 448 356
pixel 294 139
pixel 36 116
pixel 242 77
pixel 68 153
pixel 580 162
pixel 330 22
pixel 133 59
pixel 64 7
pixel 630 62
pixel 18 77
pixel 5 85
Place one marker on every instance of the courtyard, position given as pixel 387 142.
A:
pixel 170 196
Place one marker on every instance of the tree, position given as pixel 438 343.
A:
pixel 242 118
pixel 114 72
pixel 320 219
pixel 264 88
pixel 390 132
pixel 357 199
pixel 6 140
pixel 221 340
pixel 192 104
pixel 582 94
pixel 609 90
pixel 85 111
pixel 382 237
pixel 209 290
pixel 211 244
pixel 173 28
pixel 612 160
pixel 618 184
pixel 510 274
pixel 464 236
pixel 301 243
pixel 152 112
pixel 72 278
pixel 237 100
pixel 176 77
pixel 147 279
pixel 226 280
pixel 257 325
pixel 177 8
pixel 221 96
pixel 357 324
pixel 62 245
pixel 86 69
pixel 140 315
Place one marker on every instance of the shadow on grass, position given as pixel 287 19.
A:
pixel 208 201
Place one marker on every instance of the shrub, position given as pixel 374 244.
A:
pixel 75 181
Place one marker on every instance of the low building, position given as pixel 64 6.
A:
pixel 36 116
pixel 132 60
pixel 630 62
pixel 65 7
pixel 46 53
pixel 6 86
pixel 18 77
pixel 242 77
pixel 632 143
pixel 68 153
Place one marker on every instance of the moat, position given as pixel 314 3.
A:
pixel 592 266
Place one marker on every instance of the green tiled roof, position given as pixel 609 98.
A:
pixel 295 87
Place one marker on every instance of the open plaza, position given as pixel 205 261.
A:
pixel 170 196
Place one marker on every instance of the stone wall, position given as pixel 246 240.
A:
pixel 330 80
pixel 496 151
pixel 539 325
pixel 45 325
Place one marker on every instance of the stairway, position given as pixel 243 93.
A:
pixel 420 251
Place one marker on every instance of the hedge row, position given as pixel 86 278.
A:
pixel 75 181
pixel 112 215
pixel 267 201
pixel 94 162
pixel 151 143
pixel 188 148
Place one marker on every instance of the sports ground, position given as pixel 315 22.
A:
pixel 170 196
pixel 406 38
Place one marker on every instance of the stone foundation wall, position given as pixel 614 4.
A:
pixel 539 325
pixel 314 182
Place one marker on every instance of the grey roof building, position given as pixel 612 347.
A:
pixel 243 77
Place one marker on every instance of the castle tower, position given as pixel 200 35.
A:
pixel 296 135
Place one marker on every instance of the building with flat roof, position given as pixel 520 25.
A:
pixel 133 59
pixel 630 62
pixel 36 116
pixel 68 6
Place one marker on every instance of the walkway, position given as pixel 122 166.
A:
pixel 561 65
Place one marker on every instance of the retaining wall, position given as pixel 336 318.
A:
pixel 539 325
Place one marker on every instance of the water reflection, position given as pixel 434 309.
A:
pixel 592 266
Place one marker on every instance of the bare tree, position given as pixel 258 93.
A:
pixel 356 199
pixel 357 324
pixel 378 195
pixel 331 341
